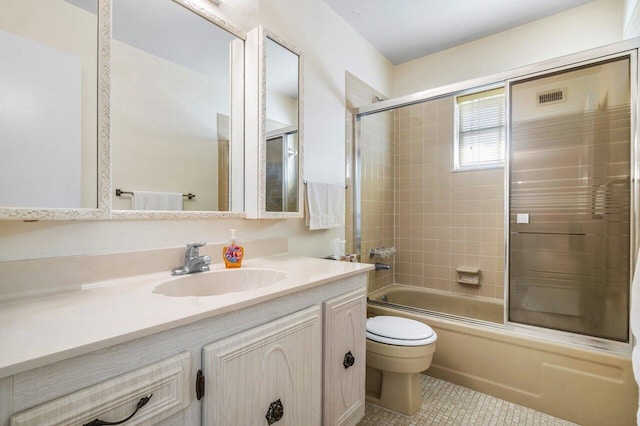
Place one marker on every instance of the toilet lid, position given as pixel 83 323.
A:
pixel 397 328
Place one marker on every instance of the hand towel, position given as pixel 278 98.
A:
pixel 324 205
pixel 144 200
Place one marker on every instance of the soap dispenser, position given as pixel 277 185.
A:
pixel 233 253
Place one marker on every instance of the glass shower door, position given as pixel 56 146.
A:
pixel 569 200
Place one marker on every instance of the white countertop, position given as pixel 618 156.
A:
pixel 40 330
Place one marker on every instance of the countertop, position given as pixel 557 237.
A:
pixel 40 330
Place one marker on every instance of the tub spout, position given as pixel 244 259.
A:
pixel 382 266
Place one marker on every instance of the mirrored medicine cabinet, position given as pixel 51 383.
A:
pixel 54 138
pixel 274 127
pixel 163 110
pixel 176 109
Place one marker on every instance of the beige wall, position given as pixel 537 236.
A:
pixel 282 109
pixel 592 25
pixel 157 144
pixel 68 28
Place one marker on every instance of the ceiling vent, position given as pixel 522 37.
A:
pixel 552 96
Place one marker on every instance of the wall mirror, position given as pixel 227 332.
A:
pixel 53 143
pixel 176 111
pixel 274 133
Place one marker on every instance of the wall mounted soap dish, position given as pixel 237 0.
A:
pixel 468 275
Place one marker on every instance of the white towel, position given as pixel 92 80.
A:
pixel 143 200
pixel 324 205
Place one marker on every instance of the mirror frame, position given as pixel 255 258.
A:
pixel 237 129
pixel 103 210
pixel 256 119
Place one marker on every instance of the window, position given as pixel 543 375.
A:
pixel 480 130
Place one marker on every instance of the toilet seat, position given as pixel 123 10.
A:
pixel 399 331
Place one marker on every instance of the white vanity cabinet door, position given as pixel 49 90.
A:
pixel 116 399
pixel 344 358
pixel 248 373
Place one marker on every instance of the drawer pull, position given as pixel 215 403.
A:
pixel 143 401
pixel 349 360
pixel 275 413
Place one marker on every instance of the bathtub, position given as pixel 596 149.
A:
pixel 479 308
pixel 582 385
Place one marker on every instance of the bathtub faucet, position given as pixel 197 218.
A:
pixel 382 266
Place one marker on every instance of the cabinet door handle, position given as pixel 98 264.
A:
pixel 349 360
pixel 97 422
pixel 275 412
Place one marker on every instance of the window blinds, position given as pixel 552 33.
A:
pixel 481 129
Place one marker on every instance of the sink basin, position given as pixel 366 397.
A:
pixel 215 283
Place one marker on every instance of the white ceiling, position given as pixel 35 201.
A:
pixel 403 30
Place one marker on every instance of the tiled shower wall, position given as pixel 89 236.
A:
pixel 444 219
pixel 435 218
pixel 378 175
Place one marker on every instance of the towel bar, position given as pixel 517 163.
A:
pixel 120 192
pixel 345 187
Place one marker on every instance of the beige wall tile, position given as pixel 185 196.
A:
pixel 461 212
pixel 436 219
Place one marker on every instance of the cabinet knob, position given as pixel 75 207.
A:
pixel 275 413
pixel 349 360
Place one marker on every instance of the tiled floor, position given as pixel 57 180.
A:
pixel 449 404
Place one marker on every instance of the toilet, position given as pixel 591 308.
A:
pixel 398 349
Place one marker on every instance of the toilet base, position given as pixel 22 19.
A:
pixel 399 392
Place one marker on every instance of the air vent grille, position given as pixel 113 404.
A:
pixel 552 96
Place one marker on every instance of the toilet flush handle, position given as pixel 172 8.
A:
pixel 349 360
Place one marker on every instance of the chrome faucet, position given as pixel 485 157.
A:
pixel 382 266
pixel 193 262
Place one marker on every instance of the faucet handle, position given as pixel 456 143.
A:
pixel 192 249
pixel 196 245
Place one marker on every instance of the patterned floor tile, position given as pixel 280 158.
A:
pixel 453 405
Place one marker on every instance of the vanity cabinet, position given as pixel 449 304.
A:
pixel 270 374
pixel 344 358
pixel 284 356
pixel 145 396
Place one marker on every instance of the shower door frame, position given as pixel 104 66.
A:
pixel 623 48
pixel 569 63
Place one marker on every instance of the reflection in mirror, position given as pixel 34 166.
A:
pixel 48 103
pixel 282 157
pixel 171 108
pixel 274 144
pixel 282 172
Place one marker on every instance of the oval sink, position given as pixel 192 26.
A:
pixel 215 283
